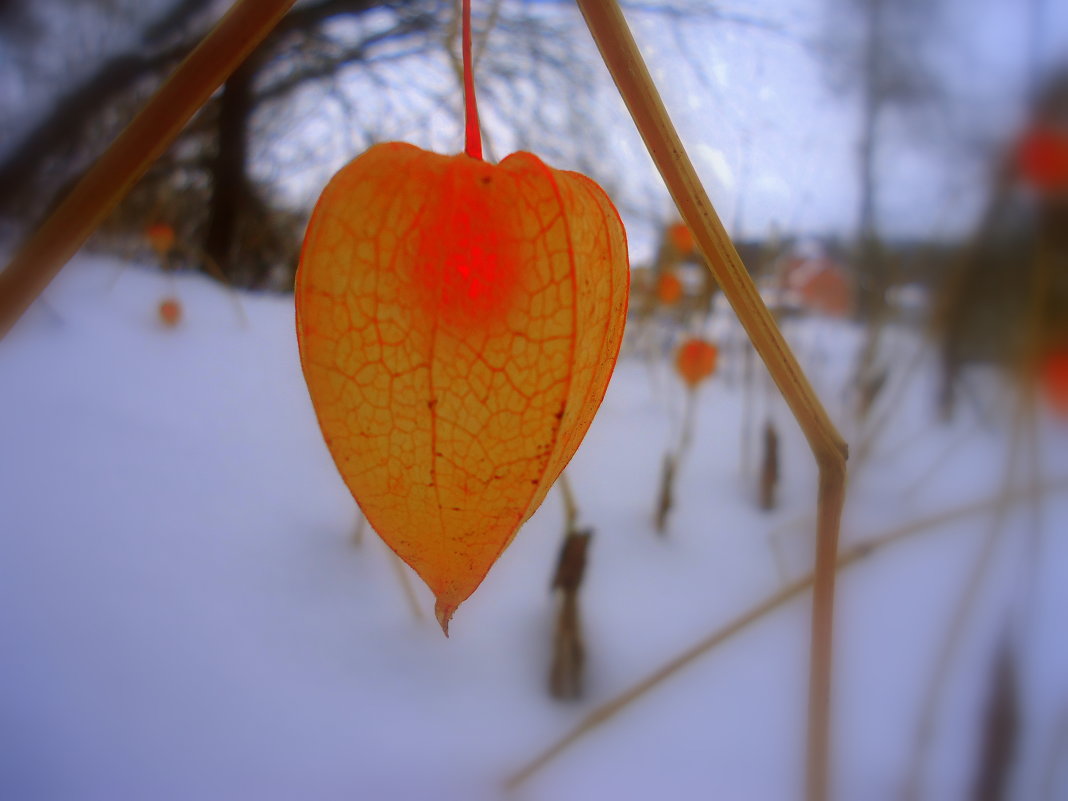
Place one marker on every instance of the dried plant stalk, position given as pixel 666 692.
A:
pixel 846 559
pixel 410 598
pixel 769 468
pixel 672 461
pixel 150 133
pixel 624 62
pixel 666 498
pixel 569 649
pixel 571 511
pixel 950 643
pixel 1000 733
pixel 567 666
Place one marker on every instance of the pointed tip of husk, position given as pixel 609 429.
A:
pixel 443 612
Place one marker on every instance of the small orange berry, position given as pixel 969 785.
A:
pixel 170 312
pixel 669 289
pixel 695 361
pixel 681 238
pixel 161 237
pixel 1054 381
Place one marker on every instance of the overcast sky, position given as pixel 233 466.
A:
pixel 778 146
pixel 774 142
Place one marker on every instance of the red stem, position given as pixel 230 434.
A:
pixel 472 134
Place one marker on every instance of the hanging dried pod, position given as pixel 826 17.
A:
pixel 161 238
pixel 695 360
pixel 1042 157
pixel 681 238
pixel 169 312
pixel 1054 381
pixel 458 322
pixel 668 288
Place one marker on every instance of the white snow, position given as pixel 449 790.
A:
pixel 184 614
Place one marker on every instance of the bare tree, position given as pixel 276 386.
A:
pixel 877 52
pixel 361 70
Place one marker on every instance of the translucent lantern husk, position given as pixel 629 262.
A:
pixel 458 323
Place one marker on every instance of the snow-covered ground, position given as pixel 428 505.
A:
pixel 184 613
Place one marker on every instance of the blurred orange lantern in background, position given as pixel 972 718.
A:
pixel 161 237
pixel 1053 379
pixel 819 284
pixel 681 238
pixel 170 312
pixel 668 288
pixel 1042 158
pixel 695 361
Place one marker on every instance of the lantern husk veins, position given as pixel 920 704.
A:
pixel 458 323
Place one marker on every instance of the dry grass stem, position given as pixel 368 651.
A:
pixel 999 728
pixel 359 529
pixel 571 512
pixel 567 666
pixel 870 545
pixel 220 276
pixel 872 429
pixel 769 468
pixel 672 461
pixel 748 400
pixel 623 59
pixel 935 466
pixel 950 643
pixel 1056 760
pixel 666 497
pixel 405 581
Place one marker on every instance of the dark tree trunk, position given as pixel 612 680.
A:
pixel 60 131
pixel 872 281
pixel 63 128
pixel 230 183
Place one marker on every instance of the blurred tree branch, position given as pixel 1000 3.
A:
pixel 249 127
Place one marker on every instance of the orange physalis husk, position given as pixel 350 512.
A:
pixel 161 237
pixel 1054 381
pixel 1042 158
pixel 681 238
pixel 458 323
pixel 695 361
pixel 170 312
pixel 668 288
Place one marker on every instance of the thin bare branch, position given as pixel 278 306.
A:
pixel 150 133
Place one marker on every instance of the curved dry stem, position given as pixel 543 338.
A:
pixel 53 244
pixel 405 581
pixel 1024 436
pixel 689 415
pixel 221 277
pixel 950 643
pixel 571 512
pixel 867 547
pixel 1057 757
pixel 624 62
pixel 872 428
